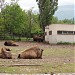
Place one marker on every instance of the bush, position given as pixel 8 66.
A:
pixel 73 43
pixel 65 43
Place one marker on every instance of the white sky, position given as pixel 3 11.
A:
pixel 27 4
pixel 66 2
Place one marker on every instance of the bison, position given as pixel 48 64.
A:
pixel 5 53
pixel 32 53
pixel 38 38
pixel 10 43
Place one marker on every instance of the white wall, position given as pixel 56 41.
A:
pixel 47 36
pixel 64 38
pixel 54 38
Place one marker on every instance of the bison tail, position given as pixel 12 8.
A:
pixel 19 56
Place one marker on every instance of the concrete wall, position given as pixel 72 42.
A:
pixel 47 34
pixel 55 38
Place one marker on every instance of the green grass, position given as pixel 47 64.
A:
pixel 45 68
pixel 66 43
pixel 21 69
pixel 51 52
pixel 17 38
pixel 59 52
pixel 60 68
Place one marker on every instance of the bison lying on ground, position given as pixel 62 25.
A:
pixel 10 43
pixel 5 53
pixel 32 53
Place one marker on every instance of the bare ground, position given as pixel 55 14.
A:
pixel 48 58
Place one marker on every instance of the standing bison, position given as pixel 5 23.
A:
pixel 32 53
pixel 10 43
pixel 5 53
pixel 38 38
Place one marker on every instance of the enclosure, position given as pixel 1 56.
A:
pixel 56 59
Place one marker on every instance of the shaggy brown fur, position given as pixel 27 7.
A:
pixel 10 43
pixel 38 38
pixel 32 53
pixel 5 53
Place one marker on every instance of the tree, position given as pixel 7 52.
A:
pixel 17 22
pixel 14 18
pixel 66 21
pixel 36 29
pixel 1 25
pixel 30 21
pixel 54 20
pixel 47 9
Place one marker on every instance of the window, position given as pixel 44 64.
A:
pixel 59 32
pixel 50 32
pixel 45 33
pixel 66 32
pixel 70 32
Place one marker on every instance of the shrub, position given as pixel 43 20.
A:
pixel 64 43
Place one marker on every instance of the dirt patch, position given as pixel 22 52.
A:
pixel 53 55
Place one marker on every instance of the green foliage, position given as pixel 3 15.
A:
pixel 65 21
pixel 1 21
pixel 17 22
pixel 35 25
pixel 55 20
pixel 11 18
pixel 65 43
pixel 47 9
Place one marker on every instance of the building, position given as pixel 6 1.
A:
pixel 60 33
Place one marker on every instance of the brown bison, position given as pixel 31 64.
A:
pixel 32 53
pixel 38 38
pixel 10 43
pixel 5 53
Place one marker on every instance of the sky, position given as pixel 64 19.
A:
pixel 66 11
pixel 28 4
pixel 66 2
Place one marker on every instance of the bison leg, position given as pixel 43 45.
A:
pixel 19 56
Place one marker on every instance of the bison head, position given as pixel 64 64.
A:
pixel 5 43
pixel 6 54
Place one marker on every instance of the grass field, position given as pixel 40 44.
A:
pixel 56 59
